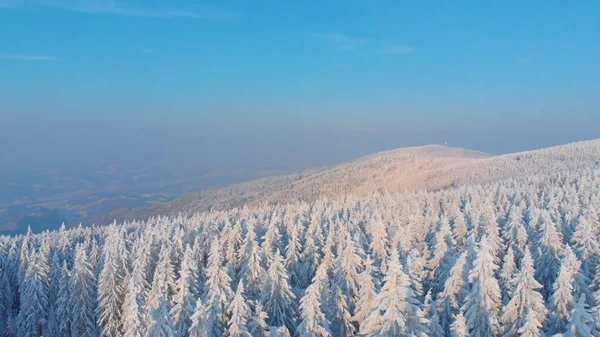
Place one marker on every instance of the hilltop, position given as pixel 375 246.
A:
pixel 430 167
pixel 391 171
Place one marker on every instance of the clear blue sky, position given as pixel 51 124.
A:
pixel 364 75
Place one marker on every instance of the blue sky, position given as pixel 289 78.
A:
pixel 367 75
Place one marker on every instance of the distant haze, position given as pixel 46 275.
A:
pixel 56 171
pixel 196 146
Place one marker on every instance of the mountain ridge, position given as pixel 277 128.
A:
pixel 250 193
pixel 428 167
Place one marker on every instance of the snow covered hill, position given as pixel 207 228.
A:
pixel 430 167
pixel 392 171
pixel 510 249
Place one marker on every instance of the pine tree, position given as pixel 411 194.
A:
pixel 458 328
pixel 525 297
pixel 239 312
pixel 143 261
pixel 417 271
pixel 586 245
pixel 62 312
pixel 561 301
pixel 187 293
pixel 366 294
pixel 52 324
pixel 511 227
pixel 434 327
pixel 311 255
pixel 198 328
pixel 64 243
pixel 281 331
pixel 160 323
pixel 139 276
pixel 443 257
pixel 6 299
pixel 547 254
pixel 379 243
pixel 82 295
pixel 26 250
pixel 110 292
pixel 507 275
pixel 532 326
pixel 581 323
pixel 271 239
pixel 342 324
pixel 347 265
pixel 53 279
pixel 233 244
pixel 292 257
pixel 580 279
pixel 489 226
pixel 34 297
pixel 218 293
pixel 163 283
pixel 450 299
pixel 459 230
pixel 278 299
pixel 344 286
pixel 314 323
pixel 483 301
pixel 396 311
pixel 258 322
pixel 252 272
pixel 133 321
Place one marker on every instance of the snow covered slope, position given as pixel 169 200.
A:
pixel 429 167
pixel 395 170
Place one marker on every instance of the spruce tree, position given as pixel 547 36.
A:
pixel 526 303
pixel 483 301
pixel 258 322
pixel 197 327
pixel 34 297
pixel 82 295
pixel 278 298
pixel 239 311
pixel 454 292
pixel 366 293
pixel 561 301
pixel 187 293
pixel 63 312
pixel 507 275
pixel 458 328
pixel 163 282
pixel 160 323
pixel 110 292
pixel 396 311
pixel 133 320
pixel 252 272
pixel 292 257
pixel 313 321
pixel 547 254
pixel 586 245
pixel 218 293
pixel 581 323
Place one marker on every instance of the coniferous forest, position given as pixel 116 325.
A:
pixel 515 257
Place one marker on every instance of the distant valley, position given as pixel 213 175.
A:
pixel 46 198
